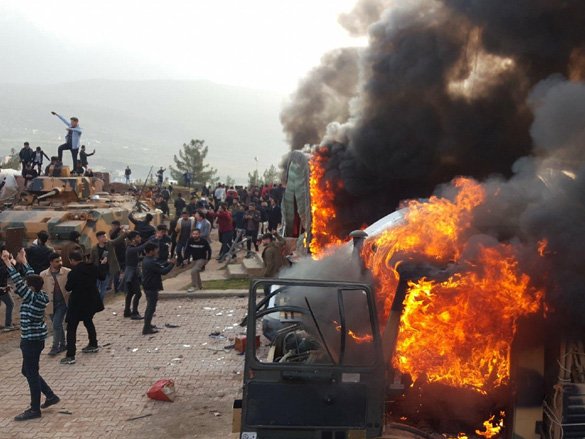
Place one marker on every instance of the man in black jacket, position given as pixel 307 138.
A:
pixel 199 249
pixel 145 229
pixel 38 253
pixel 84 302
pixel 180 205
pixel 152 272
pixel 132 275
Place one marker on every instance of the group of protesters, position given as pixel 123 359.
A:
pixel 32 160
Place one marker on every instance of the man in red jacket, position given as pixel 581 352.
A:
pixel 225 226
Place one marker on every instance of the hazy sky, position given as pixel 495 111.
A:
pixel 267 44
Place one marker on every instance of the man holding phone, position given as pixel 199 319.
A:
pixel 103 255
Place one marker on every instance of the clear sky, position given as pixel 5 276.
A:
pixel 267 44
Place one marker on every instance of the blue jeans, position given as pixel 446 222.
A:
pixel 102 286
pixel 181 252
pixel 9 307
pixel 59 311
pixel 31 353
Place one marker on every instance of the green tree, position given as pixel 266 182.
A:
pixel 13 161
pixel 271 175
pixel 192 159
pixel 254 179
pixel 229 181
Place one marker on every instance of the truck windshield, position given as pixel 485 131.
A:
pixel 314 325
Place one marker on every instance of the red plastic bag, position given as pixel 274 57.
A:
pixel 162 390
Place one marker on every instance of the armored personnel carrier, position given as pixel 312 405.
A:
pixel 61 205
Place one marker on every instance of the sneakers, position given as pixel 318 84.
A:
pixel 50 401
pixel 127 314
pixel 54 351
pixel 68 360
pixel 136 317
pixel 28 414
pixel 149 331
pixel 90 349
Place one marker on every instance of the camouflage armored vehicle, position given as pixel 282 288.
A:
pixel 61 205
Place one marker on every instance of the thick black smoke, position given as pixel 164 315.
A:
pixel 442 91
pixel 544 201
pixel 322 97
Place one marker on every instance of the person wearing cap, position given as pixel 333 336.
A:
pixel 71 138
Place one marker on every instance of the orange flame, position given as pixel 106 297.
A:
pixel 367 338
pixel 457 331
pixel 322 208
pixel 491 429
pixel 542 247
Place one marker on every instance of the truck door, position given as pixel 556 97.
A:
pixel 318 371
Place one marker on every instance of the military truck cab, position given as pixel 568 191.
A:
pixel 321 374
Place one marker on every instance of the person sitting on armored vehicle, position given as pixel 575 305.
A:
pixel 53 169
pixel 29 173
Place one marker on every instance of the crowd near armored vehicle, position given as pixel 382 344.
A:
pixel 62 205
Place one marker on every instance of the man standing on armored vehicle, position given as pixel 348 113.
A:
pixel 71 139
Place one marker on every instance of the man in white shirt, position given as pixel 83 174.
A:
pixel 72 138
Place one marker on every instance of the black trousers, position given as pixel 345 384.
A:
pixel 253 235
pixel 226 239
pixel 151 300
pixel 72 325
pixel 133 295
pixel 74 152
pixel 31 354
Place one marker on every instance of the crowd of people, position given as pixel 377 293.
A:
pixel 71 284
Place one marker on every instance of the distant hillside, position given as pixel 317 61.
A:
pixel 143 123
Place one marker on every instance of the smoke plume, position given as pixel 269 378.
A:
pixel 441 91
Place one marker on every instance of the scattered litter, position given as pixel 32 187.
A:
pixel 106 345
pixel 216 414
pixel 152 350
pixel 219 314
pixel 230 315
pixel 171 325
pixel 178 315
pixel 177 360
pixel 230 346
pixel 65 412
pixel 204 344
pixel 186 345
pixel 135 350
pixel 115 313
pixel 162 390
pixel 139 417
